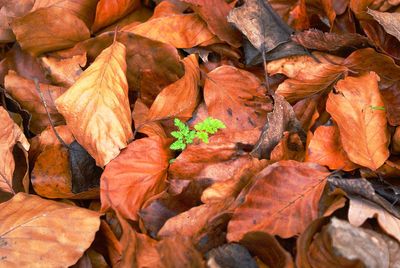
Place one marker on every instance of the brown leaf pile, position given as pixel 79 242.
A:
pixel 304 174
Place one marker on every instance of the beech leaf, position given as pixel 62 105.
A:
pixel 96 107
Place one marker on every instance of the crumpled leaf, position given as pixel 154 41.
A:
pixel 9 11
pixel 139 115
pixel 389 21
pixel 362 126
pixel 133 170
pixel 37 37
pixel 96 107
pixel 282 201
pixel 236 97
pixel 306 76
pixel 181 98
pixel 326 149
pixel 108 12
pixel 10 135
pixel 30 226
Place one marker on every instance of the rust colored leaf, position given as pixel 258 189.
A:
pixel 306 76
pixel 139 116
pixel 134 176
pixel 214 13
pixel 361 209
pixel 30 226
pixel 283 200
pixel 178 30
pixel 64 72
pixel 108 12
pixel 289 148
pixel 326 149
pixel 10 135
pixel 362 128
pixel 24 91
pixel 96 107
pixel 37 37
pixel 9 11
pixel 181 98
pixel 236 97
pixel 389 21
pixel 391 98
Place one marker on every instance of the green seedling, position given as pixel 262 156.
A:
pixel 380 108
pixel 201 131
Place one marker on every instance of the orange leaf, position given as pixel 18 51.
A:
pixel 326 149
pixel 135 176
pixel 32 229
pixel 109 11
pixel 10 135
pixel 283 200
pixel 236 97
pixel 357 109
pixel 96 107
pixel 181 98
pixel 49 29
pixel 306 76
pixel 24 91
pixel 139 115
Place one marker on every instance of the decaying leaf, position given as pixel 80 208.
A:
pixel 32 229
pixel 282 201
pixel 10 135
pixel 389 21
pixel 133 170
pixel 362 126
pixel 96 107
pixel 140 115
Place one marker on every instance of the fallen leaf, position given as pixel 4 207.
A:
pixel 8 12
pixel 181 98
pixel 230 255
pixel 326 149
pixel 214 13
pixel 362 128
pixel 391 98
pixel 236 97
pixel 25 92
pixel 139 116
pixel 64 72
pixel 30 226
pixel 108 12
pixel 37 37
pixel 306 76
pixel 282 201
pixel 99 101
pixel 289 148
pixel 389 21
pixel 10 135
pixel 133 170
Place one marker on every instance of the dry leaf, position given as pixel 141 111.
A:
pixel 139 116
pixel 60 30
pixel 109 11
pixel 389 21
pixel 230 255
pixel 10 135
pixel 9 11
pixel 96 107
pixel 282 201
pixel 356 107
pixel 326 149
pixel 306 76
pixel 181 98
pixel 32 229
pixel 236 97
pixel 133 177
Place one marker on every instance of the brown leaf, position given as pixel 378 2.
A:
pixel 61 29
pixel 24 91
pixel 306 76
pixel 109 11
pixel 214 13
pixel 289 148
pixel 389 21
pixel 178 30
pixel 8 12
pixel 361 125
pixel 10 135
pixel 326 149
pixel 99 101
pixel 391 98
pixel 139 116
pixel 30 226
pixel 181 98
pixel 230 255
pixel 361 209
pixel 133 170
pixel 282 201
pixel 236 97
pixel 267 248
pixel 64 72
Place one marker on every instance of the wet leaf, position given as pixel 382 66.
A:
pixel 98 100
pixel 362 130
pixel 30 226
